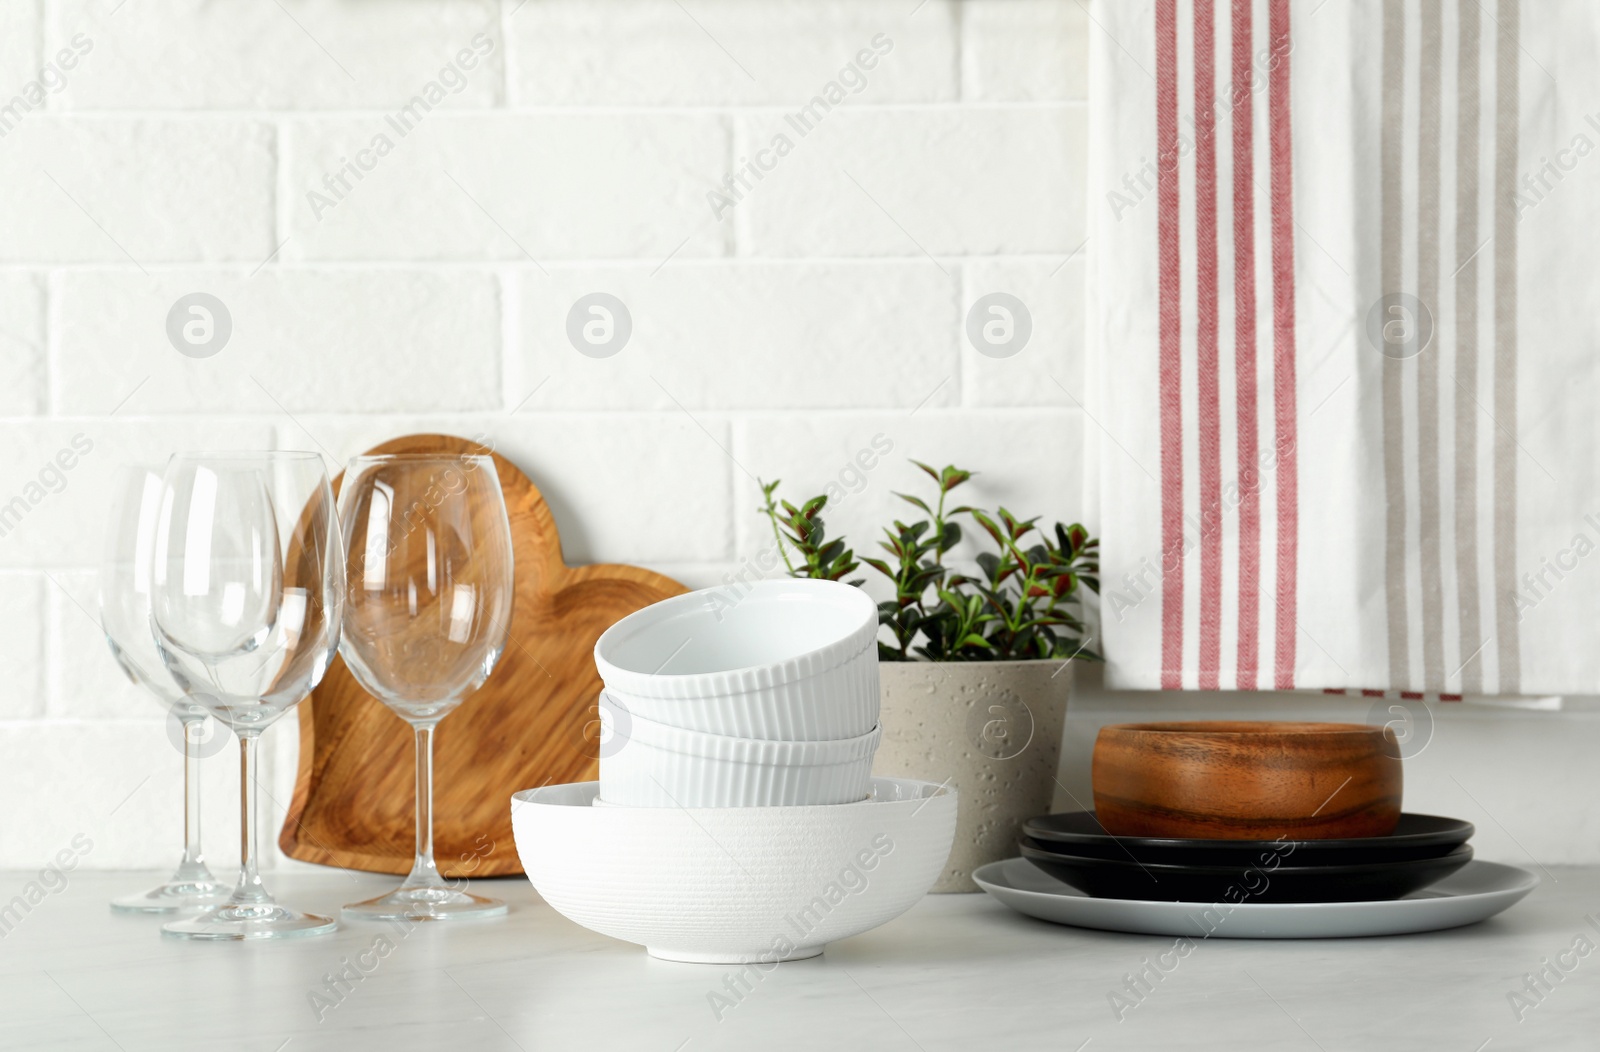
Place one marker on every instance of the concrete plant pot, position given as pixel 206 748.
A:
pixel 993 729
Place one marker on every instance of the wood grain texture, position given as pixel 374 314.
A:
pixel 532 723
pixel 1242 780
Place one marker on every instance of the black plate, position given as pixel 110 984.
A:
pixel 1079 833
pixel 1110 879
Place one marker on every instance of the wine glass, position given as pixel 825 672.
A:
pixel 248 581
pixel 427 607
pixel 125 620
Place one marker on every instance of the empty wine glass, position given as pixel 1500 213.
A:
pixel 125 620
pixel 427 608
pixel 248 581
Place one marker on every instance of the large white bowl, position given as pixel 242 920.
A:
pixel 649 764
pixel 754 885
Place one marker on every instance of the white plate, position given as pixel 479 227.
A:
pixel 1476 892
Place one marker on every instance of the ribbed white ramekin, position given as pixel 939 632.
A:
pixel 839 703
pixel 742 639
pixel 648 764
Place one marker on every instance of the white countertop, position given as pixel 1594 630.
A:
pixel 957 972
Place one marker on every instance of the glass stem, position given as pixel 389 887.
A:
pixel 193 865
pixel 250 891
pixel 424 873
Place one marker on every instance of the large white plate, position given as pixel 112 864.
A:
pixel 1476 892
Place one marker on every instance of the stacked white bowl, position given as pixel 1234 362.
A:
pixel 764 696
pixel 736 819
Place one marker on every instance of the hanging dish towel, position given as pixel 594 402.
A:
pixel 1345 302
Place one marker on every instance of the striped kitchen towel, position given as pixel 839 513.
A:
pixel 1344 319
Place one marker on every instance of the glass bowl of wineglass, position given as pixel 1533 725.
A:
pixel 428 600
pixel 124 600
pixel 247 589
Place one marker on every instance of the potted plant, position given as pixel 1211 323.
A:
pixel 977 665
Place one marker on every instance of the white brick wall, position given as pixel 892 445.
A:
pixel 305 340
pixel 731 53
pixel 136 192
pixel 738 335
pixel 521 187
pixel 568 148
pixel 22 354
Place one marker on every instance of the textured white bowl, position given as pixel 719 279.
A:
pixel 649 764
pixel 723 641
pixel 734 885
pixel 841 702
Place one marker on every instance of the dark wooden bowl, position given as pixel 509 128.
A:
pixel 1243 780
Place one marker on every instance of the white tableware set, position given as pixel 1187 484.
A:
pixel 736 818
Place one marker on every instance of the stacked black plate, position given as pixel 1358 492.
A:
pixel 1076 849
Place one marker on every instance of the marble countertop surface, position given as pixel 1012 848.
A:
pixel 957 972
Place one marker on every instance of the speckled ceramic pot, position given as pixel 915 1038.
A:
pixel 993 729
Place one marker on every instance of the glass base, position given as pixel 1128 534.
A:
pixel 266 921
pixel 425 904
pixel 175 895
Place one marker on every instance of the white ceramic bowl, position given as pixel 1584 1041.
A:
pixel 841 702
pixel 747 641
pixel 649 764
pixel 734 885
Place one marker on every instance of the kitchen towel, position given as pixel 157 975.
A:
pixel 1344 343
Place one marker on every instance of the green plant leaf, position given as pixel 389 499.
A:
pixel 915 500
pixel 880 566
pixel 951 477
pixel 989 525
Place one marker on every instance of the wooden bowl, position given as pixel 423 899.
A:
pixel 1244 780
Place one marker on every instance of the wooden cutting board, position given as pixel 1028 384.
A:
pixel 533 723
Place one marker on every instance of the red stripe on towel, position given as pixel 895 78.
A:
pixel 1283 347
pixel 1244 292
pixel 1209 413
pixel 1171 351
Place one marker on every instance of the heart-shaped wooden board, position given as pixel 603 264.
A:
pixel 533 723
